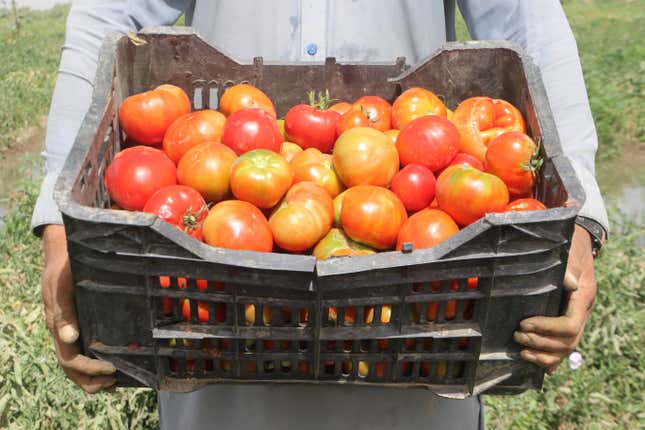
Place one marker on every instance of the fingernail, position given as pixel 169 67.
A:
pixel 570 281
pixel 528 355
pixel 68 334
pixel 520 337
pixel 527 326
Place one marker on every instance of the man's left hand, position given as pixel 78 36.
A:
pixel 551 340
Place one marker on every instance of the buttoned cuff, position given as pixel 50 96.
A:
pixel 46 211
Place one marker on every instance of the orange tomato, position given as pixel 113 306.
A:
pixel 413 103
pixel 289 150
pixel 192 129
pixel 365 156
pixel 341 107
pixel 314 166
pixel 261 177
pixel 206 168
pixel 393 134
pixel 235 224
pixel 244 96
pixel 426 229
pixel 372 215
pixel 377 110
pixel 512 156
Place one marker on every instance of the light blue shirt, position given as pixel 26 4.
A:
pixel 311 30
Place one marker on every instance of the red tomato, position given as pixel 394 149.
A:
pixel 372 216
pixel 289 150
pixel 249 129
pixel 468 194
pixel 377 110
pixel 426 229
pixel 415 186
pixel 181 206
pixel 202 310
pixel 137 173
pixel 392 134
pixel 235 224
pixel 206 168
pixel 430 141
pixel 313 166
pixel 341 107
pixel 351 119
pixel 512 157
pixel 244 96
pixel 261 177
pixel 310 127
pixel 365 156
pixel 413 103
pixel 146 116
pixel 468 160
pixel 192 129
pixel 481 119
pixel 525 205
pixel 303 218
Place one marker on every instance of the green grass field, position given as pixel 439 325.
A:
pixel 606 393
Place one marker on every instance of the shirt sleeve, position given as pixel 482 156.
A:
pixel 87 25
pixel 541 28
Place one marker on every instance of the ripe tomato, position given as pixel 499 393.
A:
pixel 377 110
pixel 310 126
pixel 303 218
pixel 468 194
pixel 202 310
pixel 245 96
pixel 249 129
pixel 336 243
pixel 137 173
pixel 181 206
pixel 512 157
pixel 261 177
pixel 365 156
pixel 235 224
pixel 341 107
pixel 313 166
pixel 415 186
pixel 146 116
pixel 481 119
pixel 413 103
pixel 206 168
pixel 351 119
pixel 372 215
pixel 426 229
pixel 465 159
pixel 525 205
pixel 192 129
pixel 430 140
pixel 392 134
pixel 289 150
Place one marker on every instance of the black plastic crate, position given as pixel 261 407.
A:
pixel 440 318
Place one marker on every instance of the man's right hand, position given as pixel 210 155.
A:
pixel 58 294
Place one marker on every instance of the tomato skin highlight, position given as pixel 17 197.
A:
pixel 377 110
pixel 365 156
pixel 426 229
pixel 245 96
pixel 181 206
pixel 468 194
pixel 136 174
pixel 249 129
pixel 510 157
pixel 289 150
pixel 527 204
pixel 415 186
pixel 206 168
pixel 414 103
pixel 430 140
pixel 261 177
pixel 310 127
pixel 146 116
pixel 235 224
pixel 372 215
pixel 192 129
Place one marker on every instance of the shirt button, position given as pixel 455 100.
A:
pixel 312 48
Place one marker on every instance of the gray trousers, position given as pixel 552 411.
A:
pixel 304 407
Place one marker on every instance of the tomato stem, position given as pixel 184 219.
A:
pixel 323 101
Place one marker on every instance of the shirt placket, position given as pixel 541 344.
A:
pixel 313 36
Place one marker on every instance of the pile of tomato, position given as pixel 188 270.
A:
pixel 331 178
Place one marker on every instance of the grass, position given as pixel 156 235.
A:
pixel 606 393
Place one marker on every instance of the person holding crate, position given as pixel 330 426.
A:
pixel 306 31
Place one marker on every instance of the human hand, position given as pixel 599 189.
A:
pixel 60 312
pixel 549 340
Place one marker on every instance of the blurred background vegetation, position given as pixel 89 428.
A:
pixel 606 393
